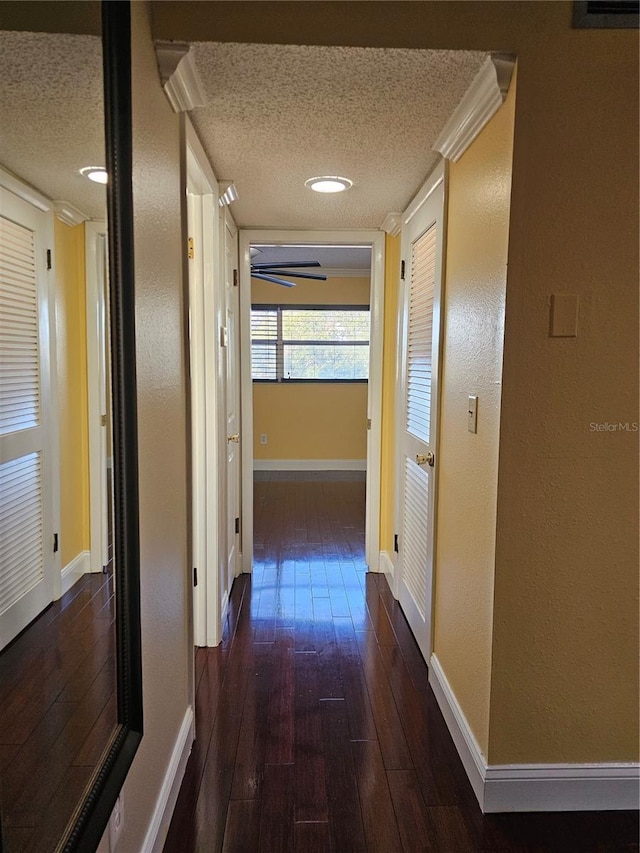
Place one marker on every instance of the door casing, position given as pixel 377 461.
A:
pixel 375 240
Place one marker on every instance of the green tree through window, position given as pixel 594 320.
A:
pixel 304 343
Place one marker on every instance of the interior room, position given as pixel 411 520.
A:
pixel 259 595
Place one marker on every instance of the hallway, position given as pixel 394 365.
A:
pixel 316 727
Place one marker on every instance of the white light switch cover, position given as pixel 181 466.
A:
pixel 472 414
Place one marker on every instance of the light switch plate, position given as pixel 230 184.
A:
pixel 472 414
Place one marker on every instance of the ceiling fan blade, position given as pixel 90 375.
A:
pixel 275 265
pixel 273 280
pixel 314 277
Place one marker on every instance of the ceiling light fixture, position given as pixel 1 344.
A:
pixel 98 174
pixel 328 184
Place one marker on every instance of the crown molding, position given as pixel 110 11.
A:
pixel 24 191
pixel 68 214
pixel 392 224
pixel 481 101
pixel 179 76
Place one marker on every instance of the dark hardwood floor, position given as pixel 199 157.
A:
pixel 57 712
pixel 316 727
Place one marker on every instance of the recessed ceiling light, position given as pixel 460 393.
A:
pixel 328 184
pixel 95 173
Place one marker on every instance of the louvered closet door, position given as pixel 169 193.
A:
pixel 422 252
pixel 26 565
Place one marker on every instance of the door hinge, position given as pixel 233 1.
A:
pixel 396 547
pixel 235 278
pixel 237 525
pixel 191 252
pixel 55 543
pixel 195 576
pixel 402 270
pixel 368 423
pixel 48 259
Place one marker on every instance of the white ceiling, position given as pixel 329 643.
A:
pixel 276 115
pixel 51 109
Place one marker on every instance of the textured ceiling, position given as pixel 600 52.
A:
pixel 51 109
pixel 276 115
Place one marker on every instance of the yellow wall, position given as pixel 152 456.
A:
pixel 71 345
pixel 311 420
pixel 390 346
pixel 564 664
pixel 476 278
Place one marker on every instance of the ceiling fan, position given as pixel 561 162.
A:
pixel 271 271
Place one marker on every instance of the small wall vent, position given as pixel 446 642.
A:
pixel 601 14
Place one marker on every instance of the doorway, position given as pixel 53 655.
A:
pixel 296 241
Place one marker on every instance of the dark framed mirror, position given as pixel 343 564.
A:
pixel 90 820
pixel 93 790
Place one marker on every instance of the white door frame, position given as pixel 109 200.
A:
pixel 97 335
pixel 374 239
pixel 437 178
pixel 206 304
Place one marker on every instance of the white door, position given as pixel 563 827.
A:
pixel 26 525
pixel 422 241
pixel 232 350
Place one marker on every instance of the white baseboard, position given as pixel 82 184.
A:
pixel 166 802
pixel 73 571
pixel 534 787
pixel 387 568
pixel 469 751
pixel 309 464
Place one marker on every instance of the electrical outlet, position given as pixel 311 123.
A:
pixel 263 438
pixel 116 823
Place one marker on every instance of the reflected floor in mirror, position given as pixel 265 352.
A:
pixel 57 712
pixel 316 727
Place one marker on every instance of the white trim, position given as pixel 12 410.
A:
pixel 374 239
pixel 68 214
pixel 469 751
pixel 606 786
pixel 482 100
pixel 166 802
pixel 561 787
pixel 205 312
pixel 24 191
pixel 309 464
pixel 392 224
pixel 436 177
pixel 73 571
pixel 387 568
pixel 96 390
pixel 179 76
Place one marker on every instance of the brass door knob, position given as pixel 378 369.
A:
pixel 426 458
pixel 235 438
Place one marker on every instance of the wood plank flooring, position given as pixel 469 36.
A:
pixel 316 727
pixel 57 712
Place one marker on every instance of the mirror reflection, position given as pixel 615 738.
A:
pixel 57 663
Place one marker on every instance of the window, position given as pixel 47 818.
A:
pixel 304 343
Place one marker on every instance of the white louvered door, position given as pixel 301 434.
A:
pixel 422 252
pixel 26 535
